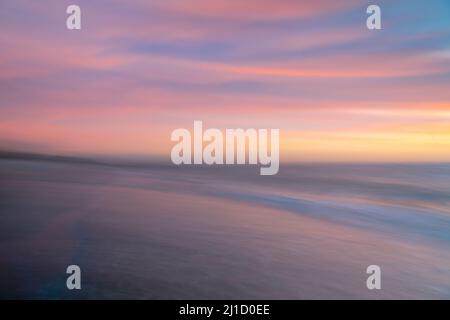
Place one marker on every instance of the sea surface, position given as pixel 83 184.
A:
pixel 162 232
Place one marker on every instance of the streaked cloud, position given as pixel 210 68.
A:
pixel 139 69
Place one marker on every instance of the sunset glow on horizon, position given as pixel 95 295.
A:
pixel 138 70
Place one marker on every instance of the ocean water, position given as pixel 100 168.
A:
pixel 156 232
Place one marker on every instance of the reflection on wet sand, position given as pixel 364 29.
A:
pixel 213 233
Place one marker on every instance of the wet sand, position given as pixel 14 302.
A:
pixel 206 233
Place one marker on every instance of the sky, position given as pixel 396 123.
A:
pixel 137 70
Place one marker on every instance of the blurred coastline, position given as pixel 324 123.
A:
pixel 164 232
